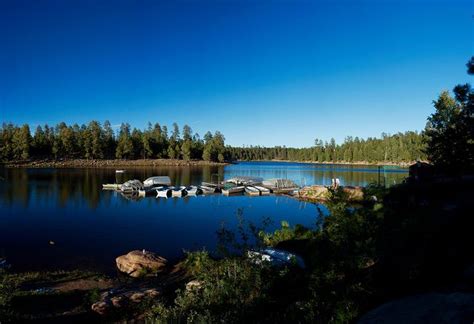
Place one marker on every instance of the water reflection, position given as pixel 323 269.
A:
pixel 91 226
pixel 73 186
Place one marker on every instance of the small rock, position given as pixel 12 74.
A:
pixel 118 301
pixel 100 307
pixel 137 297
pixel 193 285
pixel 152 293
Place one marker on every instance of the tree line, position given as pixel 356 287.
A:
pixel 96 141
pixel 401 147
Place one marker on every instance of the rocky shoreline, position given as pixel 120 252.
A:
pixel 84 163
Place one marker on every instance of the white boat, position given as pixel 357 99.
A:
pixel 229 190
pixel 119 171
pixel 192 190
pixel 163 192
pixel 157 181
pixel 178 191
pixel 280 185
pixel 111 186
pixel 276 257
pixel 245 180
pixel 252 191
pixel 206 190
pixel 263 191
pixel 132 186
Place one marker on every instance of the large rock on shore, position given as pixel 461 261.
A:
pixel 322 193
pixel 141 263
pixel 315 192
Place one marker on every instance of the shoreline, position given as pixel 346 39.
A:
pixel 362 163
pixel 84 163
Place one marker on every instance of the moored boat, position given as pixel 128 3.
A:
pixel 263 191
pixel 243 181
pixel 157 181
pixel 111 186
pixel 252 191
pixel 132 186
pixel 119 171
pixel 280 185
pixel 206 190
pixel 232 189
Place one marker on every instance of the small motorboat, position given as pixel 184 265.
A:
pixel 252 191
pixel 163 192
pixel 243 181
pixel 207 190
pixel 132 186
pixel 276 257
pixel 263 191
pixel 232 189
pixel 111 186
pixel 119 171
pixel 157 181
pixel 178 191
pixel 192 190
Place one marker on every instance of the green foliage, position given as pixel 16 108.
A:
pixel 285 233
pixel 450 130
pixel 401 147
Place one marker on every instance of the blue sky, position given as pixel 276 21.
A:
pixel 262 72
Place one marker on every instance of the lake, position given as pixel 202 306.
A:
pixel 90 227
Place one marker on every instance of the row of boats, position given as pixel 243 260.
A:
pixel 161 186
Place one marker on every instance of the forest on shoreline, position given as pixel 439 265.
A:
pixel 96 141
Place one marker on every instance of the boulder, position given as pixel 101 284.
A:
pixel 140 263
pixel 193 285
pixel 354 193
pixel 314 192
pixel 119 298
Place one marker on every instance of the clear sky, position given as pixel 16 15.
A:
pixel 262 72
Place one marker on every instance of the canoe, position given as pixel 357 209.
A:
pixel 178 191
pixel 119 171
pixel 263 191
pixel 209 184
pixel 111 186
pixel 252 191
pixel 207 190
pixel 229 190
pixel 245 180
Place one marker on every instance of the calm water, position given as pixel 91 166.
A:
pixel 90 227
